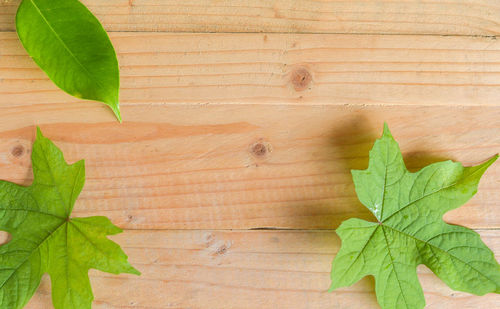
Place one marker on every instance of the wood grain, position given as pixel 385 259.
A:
pixel 245 166
pixel 258 126
pixel 457 17
pixel 159 68
pixel 246 269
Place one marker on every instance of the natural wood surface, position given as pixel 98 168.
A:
pixel 246 269
pixel 246 166
pixel 279 68
pixel 458 17
pixel 258 126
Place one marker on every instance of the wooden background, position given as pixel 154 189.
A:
pixel 242 122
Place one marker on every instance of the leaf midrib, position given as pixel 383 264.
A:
pixel 72 198
pixel 433 192
pixel 385 183
pixel 425 242
pixel 66 47
pixel 31 253
pixel 33 211
pixel 362 249
pixel 438 248
pixel 55 185
pixel 394 266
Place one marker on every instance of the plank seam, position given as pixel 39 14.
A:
pixel 486 36
pixel 278 229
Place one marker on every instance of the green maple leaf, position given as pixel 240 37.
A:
pixel 410 231
pixel 45 239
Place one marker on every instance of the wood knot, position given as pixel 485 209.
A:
pixel 17 151
pixel 209 239
pixel 259 150
pixel 301 79
pixel 222 248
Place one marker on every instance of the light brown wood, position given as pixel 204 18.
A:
pixel 259 126
pixel 462 17
pixel 245 166
pixel 246 269
pixel 159 68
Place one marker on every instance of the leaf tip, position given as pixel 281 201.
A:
pixel 491 160
pixel 134 271
pixel 386 131
pixel 331 289
pixel 38 132
pixel 116 110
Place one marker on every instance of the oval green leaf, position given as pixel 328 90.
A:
pixel 66 40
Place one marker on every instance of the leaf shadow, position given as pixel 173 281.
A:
pixel 350 142
pixel 416 160
pixel 348 149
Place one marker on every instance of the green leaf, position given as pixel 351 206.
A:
pixel 45 239
pixel 71 46
pixel 410 231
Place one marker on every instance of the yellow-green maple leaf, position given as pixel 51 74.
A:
pixel 45 239
pixel 410 231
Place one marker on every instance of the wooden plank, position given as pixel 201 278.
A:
pixel 245 166
pixel 453 17
pixel 246 269
pixel 279 68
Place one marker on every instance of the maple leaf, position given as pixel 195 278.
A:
pixel 410 231
pixel 45 239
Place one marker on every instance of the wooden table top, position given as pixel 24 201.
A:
pixel 242 122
